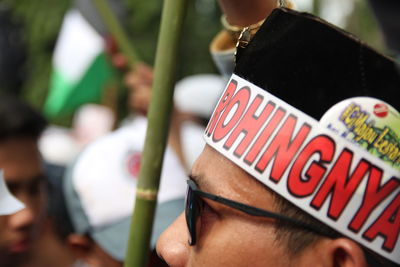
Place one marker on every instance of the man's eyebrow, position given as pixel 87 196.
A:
pixel 41 177
pixel 194 178
pixel 200 181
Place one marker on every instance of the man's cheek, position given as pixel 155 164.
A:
pixel 4 237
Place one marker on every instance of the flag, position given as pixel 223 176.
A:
pixel 81 69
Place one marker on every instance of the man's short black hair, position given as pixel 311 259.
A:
pixel 18 119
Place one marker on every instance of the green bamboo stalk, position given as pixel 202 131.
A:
pixel 316 7
pixel 157 132
pixel 116 30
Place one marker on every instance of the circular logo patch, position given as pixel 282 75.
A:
pixel 381 110
pixel 370 123
pixel 133 164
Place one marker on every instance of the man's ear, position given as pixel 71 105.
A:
pixel 345 252
pixel 82 246
pixel 340 252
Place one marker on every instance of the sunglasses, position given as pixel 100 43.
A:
pixel 194 205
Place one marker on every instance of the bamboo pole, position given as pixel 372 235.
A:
pixel 116 30
pixel 316 7
pixel 157 132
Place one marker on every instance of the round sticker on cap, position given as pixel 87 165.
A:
pixel 369 122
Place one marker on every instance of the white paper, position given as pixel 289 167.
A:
pixel 8 203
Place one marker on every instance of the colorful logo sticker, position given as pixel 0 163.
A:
pixel 370 123
pixel 133 160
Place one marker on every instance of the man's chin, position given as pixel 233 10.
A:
pixel 14 259
pixel 21 247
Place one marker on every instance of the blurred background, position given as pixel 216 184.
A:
pixel 29 31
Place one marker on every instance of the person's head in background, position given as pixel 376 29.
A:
pixel 100 191
pixel 20 127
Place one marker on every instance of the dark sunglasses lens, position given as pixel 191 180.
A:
pixel 191 213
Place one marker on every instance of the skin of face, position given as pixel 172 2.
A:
pixel 227 237
pixel 23 173
pixel 100 258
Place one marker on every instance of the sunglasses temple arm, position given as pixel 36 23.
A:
pixel 259 212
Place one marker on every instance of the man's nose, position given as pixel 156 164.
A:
pixel 22 219
pixel 173 244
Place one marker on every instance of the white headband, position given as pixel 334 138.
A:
pixel 336 181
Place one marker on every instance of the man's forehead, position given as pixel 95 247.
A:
pixel 17 149
pixel 216 174
pixel 15 171
pixel 211 167
pixel 20 160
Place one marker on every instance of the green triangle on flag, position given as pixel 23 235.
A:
pixel 81 70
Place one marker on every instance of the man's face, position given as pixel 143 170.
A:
pixel 23 173
pixel 225 237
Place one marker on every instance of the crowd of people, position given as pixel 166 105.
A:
pixel 296 164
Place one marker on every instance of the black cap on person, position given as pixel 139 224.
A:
pixel 313 65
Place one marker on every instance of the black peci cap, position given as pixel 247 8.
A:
pixel 313 65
